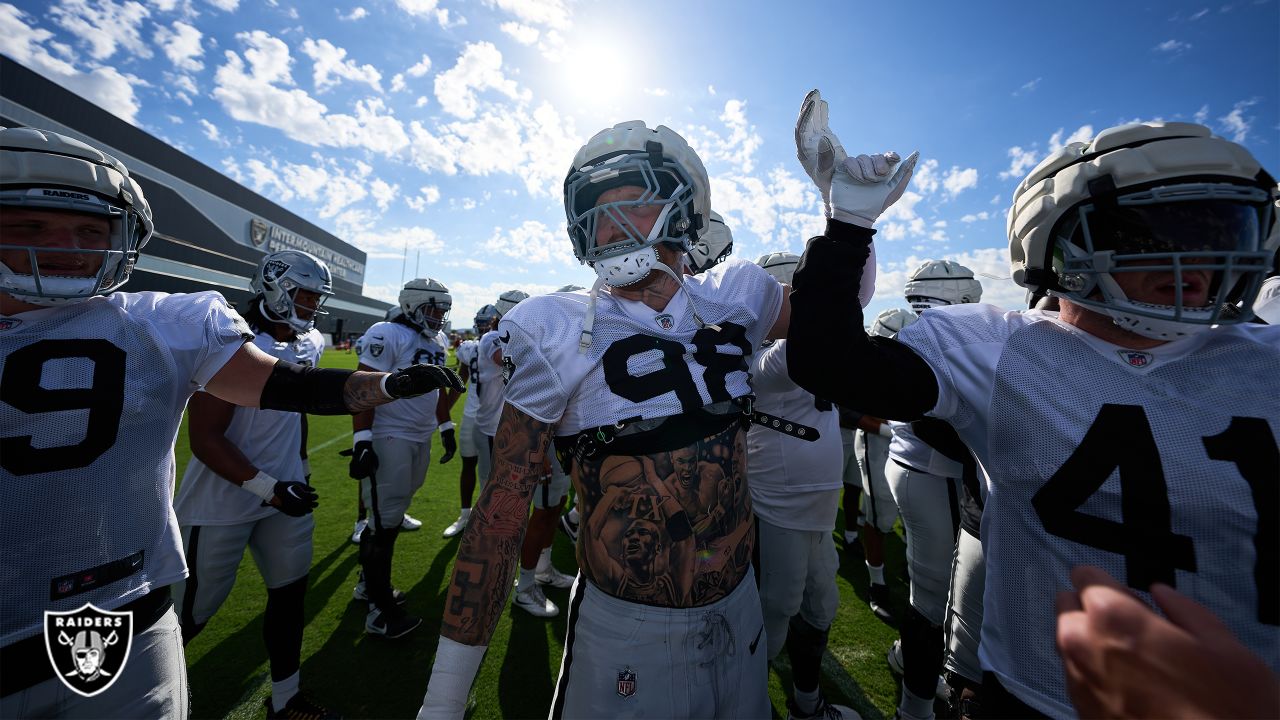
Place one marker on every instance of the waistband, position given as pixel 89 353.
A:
pixel 618 606
pixel 25 663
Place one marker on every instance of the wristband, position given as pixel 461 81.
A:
pixel 451 677
pixel 446 425
pixel 360 436
pixel 306 467
pixel 383 385
pixel 262 485
pixel 885 430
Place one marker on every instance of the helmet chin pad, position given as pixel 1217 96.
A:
pixel 627 269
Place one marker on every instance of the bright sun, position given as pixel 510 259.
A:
pixel 596 69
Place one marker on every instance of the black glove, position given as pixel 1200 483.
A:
pixel 295 498
pixel 421 379
pixel 364 461
pixel 450 442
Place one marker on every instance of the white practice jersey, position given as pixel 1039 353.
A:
pixel 491 382
pixel 91 397
pixel 1152 465
pixel 391 346
pixel 794 483
pixel 642 363
pixel 913 452
pixel 1267 306
pixel 270 439
pixel 467 356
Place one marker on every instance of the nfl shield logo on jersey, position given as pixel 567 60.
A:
pixel 88 647
pixel 9 323
pixel 626 682
pixel 665 321
pixel 1136 358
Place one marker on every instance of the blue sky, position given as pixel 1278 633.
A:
pixel 448 126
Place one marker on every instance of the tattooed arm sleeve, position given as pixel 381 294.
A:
pixel 490 547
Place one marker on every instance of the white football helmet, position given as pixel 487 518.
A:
pixel 571 288
pixel 508 300
pixel 891 322
pixel 941 282
pixel 426 303
pixel 486 317
pixel 781 265
pixel 712 246
pixel 674 183
pixel 279 277
pixel 1147 197
pixel 42 170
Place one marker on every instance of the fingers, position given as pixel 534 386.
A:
pixel 905 170
pixel 1188 614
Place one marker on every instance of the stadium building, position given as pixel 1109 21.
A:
pixel 210 230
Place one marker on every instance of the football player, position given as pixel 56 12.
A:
pixel 925 486
pixel 1155 237
pixel 492 380
pixel 230 445
pixel 638 381
pixel 391 446
pixel 795 488
pixel 468 357
pixel 92 391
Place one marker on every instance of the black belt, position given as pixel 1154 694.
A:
pixel 905 466
pixel 25 663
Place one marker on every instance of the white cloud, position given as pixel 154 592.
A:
pixel 1022 160
pixel 358 13
pixel 550 13
pixel 181 44
pixel 657 92
pixel 211 131
pixel 479 68
pixel 1235 123
pixel 421 101
pixel 383 193
pixel 1199 14
pixel 531 242
pixel 781 210
pixel 958 180
pixel 330 64
pixel 737 146
pixel 393 242
pixel 420 68
pixel 429 9
pixel 1028 87
pixel 225 5
pixel 925 177
pixel 1201 115
pixel 1174 47
pixel 104 25
pixel 397 82
pixel 974 217
pixel 262 93
pixel 523 34
pixel 428 195
pixel 711 90
pixel 105 87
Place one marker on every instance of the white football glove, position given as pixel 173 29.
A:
pixel 818 149
pixel 854 190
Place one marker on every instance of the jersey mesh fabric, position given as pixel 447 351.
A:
pixel 491 383
pixel 910 450
pixel 391 346
pixel 270 439
pixel 117 503
pixel 466 354
pixel 641 350
pixel 1037 385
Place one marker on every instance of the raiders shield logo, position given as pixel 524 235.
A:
pixel 257 232
pixel 9 323
pixel 665 321
pixel 88 647
pixel 508 369
pixel 626 682
pixel 375 349
pixel 1136 358
pixel 274 269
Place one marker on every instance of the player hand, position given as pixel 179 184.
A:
pixel 448 439
pixel 865 186
pixel 306 470
pixel 421 379
pixel 364 461
pixel 294 498
pixel 1124 660
pixel 818 148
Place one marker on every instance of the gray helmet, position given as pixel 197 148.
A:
pixel 712 247
pixel 279 277
pixel 43 170
pixel 941 282
pixel 486 316
pixel 508 300
pixel 426 303
pixel 781 265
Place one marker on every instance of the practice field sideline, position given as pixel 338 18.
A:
pixel 365 677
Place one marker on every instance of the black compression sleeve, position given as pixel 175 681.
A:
pixel 828 350
pixel 297 388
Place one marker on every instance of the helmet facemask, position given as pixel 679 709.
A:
pixel 1176 229
pixel 128 232
pixel 279 278
pixel 432 314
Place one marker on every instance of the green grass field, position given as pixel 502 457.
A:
pixel 366 677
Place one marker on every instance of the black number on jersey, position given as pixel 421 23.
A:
pixel 104 399
pixel 1121 439
pixel 424 356
pixel 473 369
pixel 674 376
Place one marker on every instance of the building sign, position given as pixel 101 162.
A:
pixel 273 238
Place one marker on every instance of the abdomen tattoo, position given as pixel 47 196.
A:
pixel 672 528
